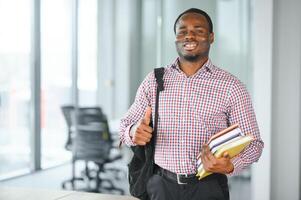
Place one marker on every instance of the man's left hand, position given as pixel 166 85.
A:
pixel 221 165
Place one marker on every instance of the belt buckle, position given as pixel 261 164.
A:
pixel 178 178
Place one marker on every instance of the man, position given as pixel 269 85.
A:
pixel 199 99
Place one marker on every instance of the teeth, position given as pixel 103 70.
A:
pixel 189 46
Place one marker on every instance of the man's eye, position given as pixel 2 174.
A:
pixel 182 32
pixel 200 31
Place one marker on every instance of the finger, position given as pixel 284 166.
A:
pixel 148 115
pixel 203 153
pixel 208 154
pixel 141 143
pixel 144 134
pixel 226 155
pixel 141 138
pixel 145 128
pixel 206 150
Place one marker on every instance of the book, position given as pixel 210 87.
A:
pixel 231 140
pixel 217 147
pixel 222 137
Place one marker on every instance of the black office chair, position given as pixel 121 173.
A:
pixel 92 143
pixel 69 111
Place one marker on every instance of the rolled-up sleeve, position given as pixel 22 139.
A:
pixel 136 111
pixel 241 111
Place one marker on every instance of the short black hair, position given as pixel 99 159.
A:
pixel 198 11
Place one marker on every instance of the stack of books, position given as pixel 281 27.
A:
pixel 231 140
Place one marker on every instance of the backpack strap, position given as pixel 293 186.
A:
pixel 159 73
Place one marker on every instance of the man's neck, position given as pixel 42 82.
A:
pixel 190 68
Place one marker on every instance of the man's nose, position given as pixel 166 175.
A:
pixel 190 34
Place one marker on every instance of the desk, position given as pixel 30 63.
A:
pixel 14 193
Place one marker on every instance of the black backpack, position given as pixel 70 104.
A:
pixel 141 167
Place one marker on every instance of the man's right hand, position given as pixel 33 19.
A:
pixel 141 132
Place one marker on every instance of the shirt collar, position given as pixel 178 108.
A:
pixel 207 67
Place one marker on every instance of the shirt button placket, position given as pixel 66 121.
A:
pixel 185 113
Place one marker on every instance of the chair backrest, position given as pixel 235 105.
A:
pixel 91 110
pixel 67 112
pixel 92 139
pixel 92 115
pixel 93 120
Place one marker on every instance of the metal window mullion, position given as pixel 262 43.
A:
pixel 74 57
pixel 98 53
pixel 35 136
pixel 113 53
pixel 159 33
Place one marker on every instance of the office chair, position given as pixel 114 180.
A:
pixel 92 142
pixel 69 111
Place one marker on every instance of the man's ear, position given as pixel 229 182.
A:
pixel 211 37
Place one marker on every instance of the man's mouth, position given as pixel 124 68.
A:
pixel 188 46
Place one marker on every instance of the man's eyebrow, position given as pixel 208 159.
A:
pixel 196 26
pixel 182 27
pixel 199 26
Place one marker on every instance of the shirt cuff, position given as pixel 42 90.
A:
pixel 127 138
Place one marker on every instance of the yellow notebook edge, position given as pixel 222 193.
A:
pixel 247 139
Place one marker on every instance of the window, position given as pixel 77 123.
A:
pixel 15 95
pixel 87 52
pixel 56 78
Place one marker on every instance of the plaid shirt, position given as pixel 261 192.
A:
pixel 191 109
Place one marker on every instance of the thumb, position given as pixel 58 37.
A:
pixel 226 155
pixel 148 115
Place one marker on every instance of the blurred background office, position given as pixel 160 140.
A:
pixel 95 53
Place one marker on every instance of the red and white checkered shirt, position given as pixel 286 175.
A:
pixel 191 109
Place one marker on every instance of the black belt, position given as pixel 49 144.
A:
pixel 178 178
pixel 181 178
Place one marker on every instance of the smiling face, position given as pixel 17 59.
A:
pixel 193 37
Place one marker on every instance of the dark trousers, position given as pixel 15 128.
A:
pixel 209 188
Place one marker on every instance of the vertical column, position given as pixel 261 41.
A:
pixel 106 55
pixel 135 36
pixel 74 46
pixel 262 27
pixel 159 34
pixel 36 89
pixel 286 96
pixel 126 66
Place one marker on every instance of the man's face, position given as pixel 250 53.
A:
pixel 193 38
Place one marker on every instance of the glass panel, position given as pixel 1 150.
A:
pixel 56 78
pixel 232 40
pixel 15 20
pixel 87 52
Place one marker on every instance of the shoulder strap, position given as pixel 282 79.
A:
pixel 159 73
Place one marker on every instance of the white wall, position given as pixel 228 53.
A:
pixel 285 134
pixel 262 93
pixel 119 54
pixel 106 18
